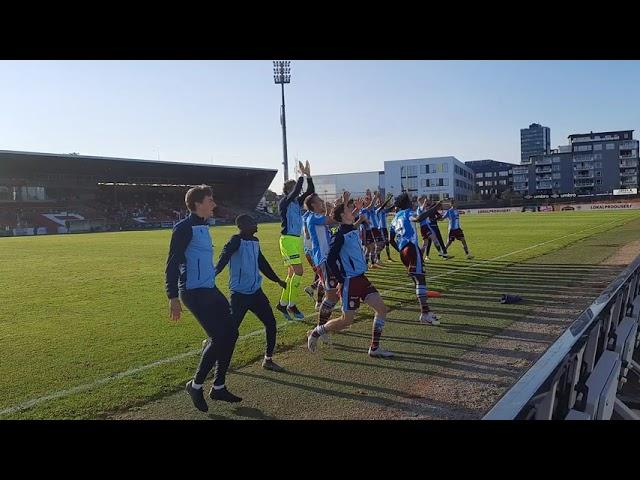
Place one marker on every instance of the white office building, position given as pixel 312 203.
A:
pixel 438 177
pixel 330 187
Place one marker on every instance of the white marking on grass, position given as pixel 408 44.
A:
pixel 133 371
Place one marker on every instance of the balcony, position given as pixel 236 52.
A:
pixel 628 145
pixel 543 177
pixel 521 186
pixel 583 183
pixel 629 172
pixel 520 170
pixel 544 161
pixel 633 154
pixel 544 185
pixel 583 158
pixel 577 168
pixel 583 175
pixel 627 181
pixel 544 170
pixel 628 163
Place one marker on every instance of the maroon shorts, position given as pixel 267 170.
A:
pixel 310 260
pixel 425 231
pixel 368 237
pixel 411 257
pixel 377 235
pixel 385 235
pixel 456 234
pixel 328 279
pixel 354 290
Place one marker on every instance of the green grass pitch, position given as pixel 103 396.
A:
pixel 77 310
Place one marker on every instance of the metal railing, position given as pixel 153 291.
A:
pixel 599 344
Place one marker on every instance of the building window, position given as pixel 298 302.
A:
pixel 555 159
pixel 424 169
pixel 598 182
pixel 583 148
pixel 409 171
pixel 556 176
pixel 503 182
pixel 611 146
pixel 503 173
pixel 555 168
pixel 598 173
pixel 478 175
pixel 597 146
pixel 409 183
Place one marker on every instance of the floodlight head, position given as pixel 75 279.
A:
pixel 281 71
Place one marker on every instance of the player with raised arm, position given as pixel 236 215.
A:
pixel 346 261
pixel 291 246
pixel 318 226
pixel 427 230
pixel 455 231
pixel 404 240
pixel 381 213
pixel 316 287
pixel 367 228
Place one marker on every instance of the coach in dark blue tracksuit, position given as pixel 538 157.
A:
pixel 246 261
pixel 191 277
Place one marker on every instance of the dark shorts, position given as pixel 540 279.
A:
pixel 456 234
pixel 310 260
pixel 426 231
pixel 368 237
pixel 355 290
pixel 377 235
pixel 328 279
pixel 411 257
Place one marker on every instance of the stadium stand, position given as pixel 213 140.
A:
pixel 54 192
pixel 584 374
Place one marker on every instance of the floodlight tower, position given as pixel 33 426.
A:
pixel 282 75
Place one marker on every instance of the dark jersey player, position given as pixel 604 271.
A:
pixel 291 245
pixel 242 253
pixel 191 277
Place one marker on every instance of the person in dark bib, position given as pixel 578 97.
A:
pixel 246 262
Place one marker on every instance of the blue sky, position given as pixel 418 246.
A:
pixel 343 116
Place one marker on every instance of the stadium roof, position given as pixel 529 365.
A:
pixel 242 185
pixel 118 159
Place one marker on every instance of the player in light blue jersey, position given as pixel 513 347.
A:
pixel 317 224
pixel 369 241
pixel 404 238
pixel 347 262
pixel 316 287
pixel 381 214
pixel 455 231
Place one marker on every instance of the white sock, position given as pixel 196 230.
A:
pixel 195 385
pixel 267 358
pixel 218 387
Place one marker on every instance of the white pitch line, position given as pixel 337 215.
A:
pixel 133 371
